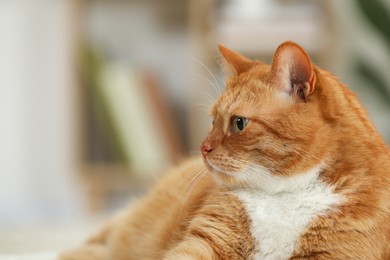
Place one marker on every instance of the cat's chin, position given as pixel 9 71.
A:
pixel 222 177
pixel 215 169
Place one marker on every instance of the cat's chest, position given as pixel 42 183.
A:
pixel 279 219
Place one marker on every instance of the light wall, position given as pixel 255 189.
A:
pixel 37 112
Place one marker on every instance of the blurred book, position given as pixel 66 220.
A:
pixel 137 117
pixel 132 113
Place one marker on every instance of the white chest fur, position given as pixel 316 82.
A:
pixel 280 217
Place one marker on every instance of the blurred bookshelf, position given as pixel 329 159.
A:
pixel 128 130
pixel 129 134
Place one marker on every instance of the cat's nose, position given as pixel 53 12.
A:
pixel 205 149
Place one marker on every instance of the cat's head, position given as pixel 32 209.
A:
pixel 269 122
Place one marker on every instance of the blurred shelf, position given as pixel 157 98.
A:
pixel 110 187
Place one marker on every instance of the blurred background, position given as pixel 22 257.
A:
pixel 100 97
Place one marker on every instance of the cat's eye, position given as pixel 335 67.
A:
pixel 239 123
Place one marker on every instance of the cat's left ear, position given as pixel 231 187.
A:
pixel 292 70
pixel 237 62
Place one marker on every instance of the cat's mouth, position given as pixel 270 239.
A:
pixel 212 167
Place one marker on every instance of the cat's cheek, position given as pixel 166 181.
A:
pixel 206 163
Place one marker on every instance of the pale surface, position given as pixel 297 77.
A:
pixel 43 241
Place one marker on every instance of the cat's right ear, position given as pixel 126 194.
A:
pixel 236 62
pixel 292 70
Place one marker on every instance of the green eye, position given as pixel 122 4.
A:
pixel 239 123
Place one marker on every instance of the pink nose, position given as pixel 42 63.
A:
pixel 205 149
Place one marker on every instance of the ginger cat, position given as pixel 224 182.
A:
pixel 292 169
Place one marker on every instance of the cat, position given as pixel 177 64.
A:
pixel 292 168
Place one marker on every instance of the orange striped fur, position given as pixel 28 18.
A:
pixel 308 177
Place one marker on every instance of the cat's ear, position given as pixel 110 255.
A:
pixel 292 70
pixel 237 63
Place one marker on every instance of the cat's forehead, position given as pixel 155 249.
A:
pixel 252 98
pixel 242 98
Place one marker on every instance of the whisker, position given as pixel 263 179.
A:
pixel 209 97
pixel 208 70
pixel 215 86
pixel 187 178
pixel 200 107
pixel 193 183
pixel 223 71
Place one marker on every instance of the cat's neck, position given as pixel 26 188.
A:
pixel 260 179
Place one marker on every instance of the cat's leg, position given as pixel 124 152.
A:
pixel 220 230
